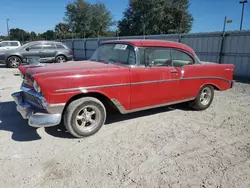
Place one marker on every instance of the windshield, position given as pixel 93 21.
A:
pixel 122 54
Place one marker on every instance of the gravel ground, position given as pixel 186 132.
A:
pixel 164 147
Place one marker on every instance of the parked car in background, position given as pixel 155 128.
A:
pixel 47 51
pixel 8 45
pixel 127 75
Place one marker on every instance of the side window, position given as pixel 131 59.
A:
pixel 35 47
pixel 155 56
pixel 181 58
pixel 59 46
pixel 3 44
pixel 14 44
pixel 49 46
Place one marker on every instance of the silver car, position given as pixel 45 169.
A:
pixel 47 51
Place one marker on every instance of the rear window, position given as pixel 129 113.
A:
pixel 59 46
pixel 14 44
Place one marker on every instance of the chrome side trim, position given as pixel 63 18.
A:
pixel 124 111
pixel 85 89
pixel 206 77
pixel 154 81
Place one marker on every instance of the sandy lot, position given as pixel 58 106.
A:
pixel 165 147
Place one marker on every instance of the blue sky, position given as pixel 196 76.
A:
pixel 41 15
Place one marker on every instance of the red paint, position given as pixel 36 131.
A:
pixel 169 88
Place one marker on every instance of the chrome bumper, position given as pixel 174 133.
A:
pixel 36 119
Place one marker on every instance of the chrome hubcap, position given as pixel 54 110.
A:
pixel 205 96
pixel 88 118
pixel 61 59
pixel 14 62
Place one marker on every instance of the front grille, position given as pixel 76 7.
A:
pixel 33 100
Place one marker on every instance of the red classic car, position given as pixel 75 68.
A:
pixel 127 75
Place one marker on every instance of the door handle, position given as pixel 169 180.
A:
pixel 173 71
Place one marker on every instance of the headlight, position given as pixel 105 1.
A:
pixel 36 87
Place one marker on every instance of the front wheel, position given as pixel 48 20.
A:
pixel 84 117
pixel 13 62
pixel 204 98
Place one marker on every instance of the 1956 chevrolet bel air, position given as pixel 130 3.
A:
pixel 128 75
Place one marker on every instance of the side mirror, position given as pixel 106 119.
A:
pixel 27 49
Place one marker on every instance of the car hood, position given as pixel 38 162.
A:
pixel 68 68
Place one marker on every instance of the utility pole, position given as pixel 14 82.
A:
pixel 8 31
pixel 242 12
pixel 224 27
pixel 222 38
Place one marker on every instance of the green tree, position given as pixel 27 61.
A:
pixel 2 37
pixel 19 34
pixel 48 35
pixel 156 17
pixel 32 35
pixel 87 20
pixel 61 30
pixel 101 19
pixel 127 25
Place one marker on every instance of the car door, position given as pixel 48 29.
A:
pixel 157 83
pixel 34 50
pixel 49 52
pixel 184 64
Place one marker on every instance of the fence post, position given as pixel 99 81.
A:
pixel 85 50
pixel 73 50
pixel 221 46
pixel 180 36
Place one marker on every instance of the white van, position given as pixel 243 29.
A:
pixel 8 45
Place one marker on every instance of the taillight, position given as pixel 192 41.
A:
pixel 70 52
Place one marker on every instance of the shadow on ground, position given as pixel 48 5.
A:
pixel 242 79
pixel 11 121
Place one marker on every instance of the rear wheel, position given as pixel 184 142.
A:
pixel 61 59
pixel 84 117
pixel 13 62
pixel 204 98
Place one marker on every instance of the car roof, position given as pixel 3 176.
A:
pixel 44 42
pixel 155 43
pixel 9 41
